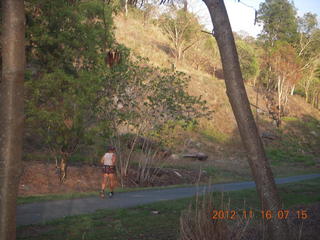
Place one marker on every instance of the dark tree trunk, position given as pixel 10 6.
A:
pixel 261 171
pixel 11 112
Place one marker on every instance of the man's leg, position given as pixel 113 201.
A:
pixel 103 185
pixel 112 183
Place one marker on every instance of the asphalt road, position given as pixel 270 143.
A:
pixel 35 213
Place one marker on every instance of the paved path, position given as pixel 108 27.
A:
pixel 41 212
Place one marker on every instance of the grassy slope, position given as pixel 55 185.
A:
pixel 148 41
pixel 219 137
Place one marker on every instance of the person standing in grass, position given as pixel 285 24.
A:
pixel 108 162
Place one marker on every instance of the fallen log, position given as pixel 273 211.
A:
pixel 200 156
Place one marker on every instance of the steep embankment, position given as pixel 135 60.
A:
pixel 220 133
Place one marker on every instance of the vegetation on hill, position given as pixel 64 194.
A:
pixel 78 101
pixel 83 87
pixel 269 71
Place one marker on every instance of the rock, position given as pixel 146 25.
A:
pixel 268 135
pixel 155 212
pixel 200 156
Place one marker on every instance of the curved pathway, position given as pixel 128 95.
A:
pixel 35 213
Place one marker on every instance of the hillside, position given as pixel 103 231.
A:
pixel 292 148
pixel 219 135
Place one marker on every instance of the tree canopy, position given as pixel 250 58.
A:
pixel 279 21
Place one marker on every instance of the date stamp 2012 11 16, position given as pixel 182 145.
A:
pixel 264 214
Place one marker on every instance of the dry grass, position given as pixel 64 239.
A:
pixel 196 224
pixel 219 136
pixel 149 41
pixel 145 40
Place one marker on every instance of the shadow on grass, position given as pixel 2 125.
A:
pixel 297 141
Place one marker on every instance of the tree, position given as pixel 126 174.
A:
pixel 280 24
pixel 260 167
pixel 286 67
pixel 279 21
pixel 11 112
pixel 307 25
pixel 66 48
pixel 182 29
pixel 308 51
pixel 61 111
pixel 316 89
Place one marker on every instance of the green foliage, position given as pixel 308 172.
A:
pixel 279 34
pixel 211 171
pixel 67 36
pixel 299 142
pixel 248 60
pixel 279 21
pixel 60 107
pixel 75 99
pixel 289 119
pixel 309 52
pixel 214 135
pixel 66 46
pixel 308 23
pixel 291 49
pixel 150 99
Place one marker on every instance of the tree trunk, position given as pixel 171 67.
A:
pixel 261 171
pixel 126 8
pixel 292 89
pixel 185 5
pixel 11 112
pixel 280 93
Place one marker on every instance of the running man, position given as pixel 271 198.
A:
pixel 109 171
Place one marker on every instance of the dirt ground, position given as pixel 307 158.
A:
pixel 41 178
